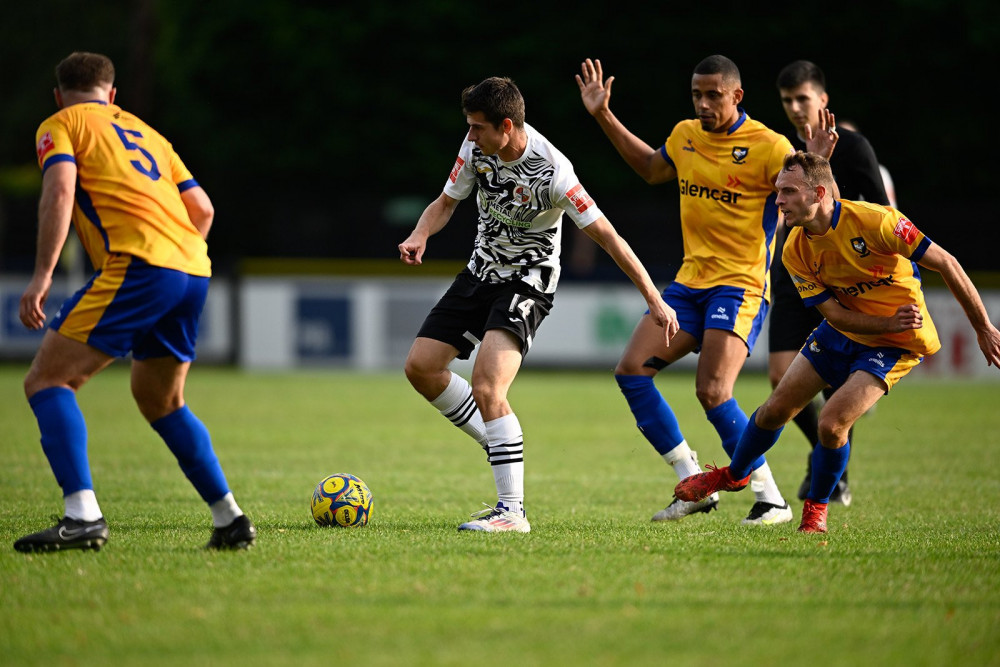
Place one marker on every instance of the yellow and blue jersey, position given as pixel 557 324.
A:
pixel 129 180
pixel 866 261
pixel 728 214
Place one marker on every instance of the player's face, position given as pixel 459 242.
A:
pixel 488 139
pixel 802 105
pixel 715 102
pixel 796 200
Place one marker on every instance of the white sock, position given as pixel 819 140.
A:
pixel 82 505
pixel 225 511
pixel 683 460
pixel 457 405
pixel 506 456
pixel 764 487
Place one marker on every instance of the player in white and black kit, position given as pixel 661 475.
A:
pixel 802 86
pixel 523 186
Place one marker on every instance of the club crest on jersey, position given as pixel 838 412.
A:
pixel 859 246
pixel 740 154
pixel 459 163
pixel 522 195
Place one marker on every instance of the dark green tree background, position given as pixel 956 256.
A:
pixel 321 129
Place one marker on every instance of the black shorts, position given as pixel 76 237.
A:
pixel 791 321
pixel 472 307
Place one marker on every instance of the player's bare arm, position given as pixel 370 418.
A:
pixel 432 220
pixel 938 259
pixel 905 318
pixel 605 235
pixel 596 95
pixel 55 211
pixel 199 208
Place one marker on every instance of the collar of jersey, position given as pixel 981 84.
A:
pixel 836 214
pixel 737 124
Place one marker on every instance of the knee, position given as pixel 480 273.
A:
pixel 428 380
pixel 487 397
pixel 413 370
pixel 628 365
pixel 832 431
pixel 37 380
pixel 155 406
pixel 712 395
pixel 769 418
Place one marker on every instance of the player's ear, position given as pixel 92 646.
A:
pixel 58 96
pixel 111 95
pixel 738 95
pixel 507 125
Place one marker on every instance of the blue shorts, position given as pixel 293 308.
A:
pixel 132 306
pixel 835 357
pixel 726 308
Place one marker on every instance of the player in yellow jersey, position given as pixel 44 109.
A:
pixel 854 261
pixel 143 220
pixel 725 164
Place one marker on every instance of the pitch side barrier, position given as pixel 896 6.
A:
pixel 311 319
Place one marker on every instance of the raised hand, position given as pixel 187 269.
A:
pixel 594 91
pixel 823 139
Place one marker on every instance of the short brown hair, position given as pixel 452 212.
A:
pixel 81 70
pixel 815 169
pixel 497 98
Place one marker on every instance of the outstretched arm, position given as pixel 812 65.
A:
pixel 596 94
pixel 938 259
pixel 604 234
pixel 432 220
pixel 55 213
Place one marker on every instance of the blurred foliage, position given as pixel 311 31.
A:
pixel 308 121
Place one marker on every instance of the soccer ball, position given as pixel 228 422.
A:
pixel 342 500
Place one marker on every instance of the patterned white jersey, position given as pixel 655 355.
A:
pixel 520 207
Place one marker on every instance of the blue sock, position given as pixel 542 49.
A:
pixel 64 437
pixel 652 414
pixel 190 442
pixel 729 421
pixel 827 467
pixel 749 454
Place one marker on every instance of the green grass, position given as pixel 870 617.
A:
pixel 909 574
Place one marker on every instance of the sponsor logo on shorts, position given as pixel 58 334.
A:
pixel 719 314
pixel 877 360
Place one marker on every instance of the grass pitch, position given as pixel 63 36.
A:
pixel 909 574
